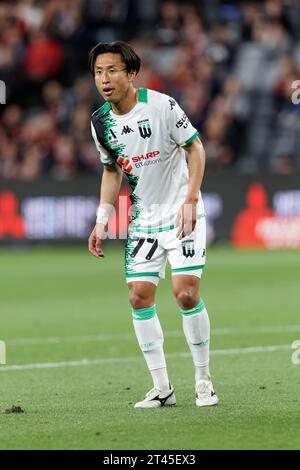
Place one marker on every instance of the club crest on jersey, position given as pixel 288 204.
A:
pixel 188 248
pixel 144 128
pixel 124 162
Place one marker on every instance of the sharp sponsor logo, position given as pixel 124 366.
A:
pixel 124 162
pixel 126 130
pixel 183 122
pixel 146 156
pixel 144 128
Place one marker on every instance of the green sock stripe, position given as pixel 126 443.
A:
pixel 144 313
pixel 195 310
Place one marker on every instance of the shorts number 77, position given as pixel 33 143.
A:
pixel 139 245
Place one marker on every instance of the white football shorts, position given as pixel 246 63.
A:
pixel 146 254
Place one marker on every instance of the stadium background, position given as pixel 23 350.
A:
pixel 231 66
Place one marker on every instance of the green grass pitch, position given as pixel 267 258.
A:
pixel 66 322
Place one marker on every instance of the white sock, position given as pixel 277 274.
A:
pixel 196 328
pixel 150 338
pixel 160 378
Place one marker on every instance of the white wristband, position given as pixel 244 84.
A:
pixel 102 215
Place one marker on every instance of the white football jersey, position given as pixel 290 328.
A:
pixel 147 144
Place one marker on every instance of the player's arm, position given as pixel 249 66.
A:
pixel 109 190
pixel 187 216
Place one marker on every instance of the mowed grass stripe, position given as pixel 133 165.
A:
pixel 118 360
pixel 171 334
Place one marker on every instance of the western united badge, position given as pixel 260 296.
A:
pixel 144 128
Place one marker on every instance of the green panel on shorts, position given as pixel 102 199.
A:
pixel 141 274
pixel 158 229
pixel 189 268
pixel 152 230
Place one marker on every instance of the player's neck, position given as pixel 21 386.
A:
pixel 127 103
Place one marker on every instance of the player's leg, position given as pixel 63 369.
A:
pixel 195 321
pixel 150 338
pixel 196 327
pixel 144 265
pixel 187 258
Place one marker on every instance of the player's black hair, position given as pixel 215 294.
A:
pixel 130 58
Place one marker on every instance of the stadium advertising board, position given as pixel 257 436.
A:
pixel 249 212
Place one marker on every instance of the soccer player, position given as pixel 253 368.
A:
pixel 147 136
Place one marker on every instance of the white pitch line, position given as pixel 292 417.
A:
pixel 118 360
pixel 130 336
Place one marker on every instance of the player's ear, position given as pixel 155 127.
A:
pixel 132 75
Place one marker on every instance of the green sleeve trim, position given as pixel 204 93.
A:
pixel 141 274
pixel 189 268
pixel 144 313
pixel 190 140
pixel 195 310
pixel 143 95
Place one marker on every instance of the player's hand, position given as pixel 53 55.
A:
pixel 186 219
pixel 95 241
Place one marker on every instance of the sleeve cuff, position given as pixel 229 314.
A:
pixel 190 140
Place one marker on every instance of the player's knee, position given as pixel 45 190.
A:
pixel 187 298
pixel 138 299
pixel 141 295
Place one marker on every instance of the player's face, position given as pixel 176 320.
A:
pixel 111 77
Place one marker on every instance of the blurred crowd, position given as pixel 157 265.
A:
pixel 232 67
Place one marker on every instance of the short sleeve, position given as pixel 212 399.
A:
pixel 180 127
pixel 105 157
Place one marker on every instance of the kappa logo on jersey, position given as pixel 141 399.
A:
pixel 126 130
pixel 184 121
pixel 144 128
pixel 125 164
pixel 172 103
pixel 188 248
